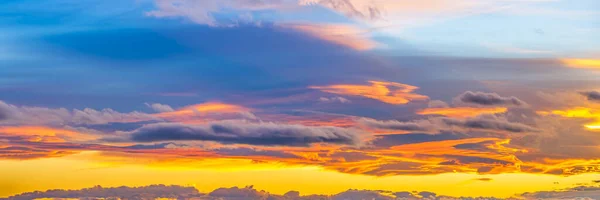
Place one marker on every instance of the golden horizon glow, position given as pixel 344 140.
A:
pixel 461 112
pixel 75 172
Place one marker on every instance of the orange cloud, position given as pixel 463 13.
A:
pixel 202 110
pixel 387 92
pixel 581 63
pixel 461 112
pixel 340 34
pixel 45 134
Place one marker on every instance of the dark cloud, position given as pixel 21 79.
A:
pixel 488 99
pixel 592 95
pixel 490 122
pixel 241 132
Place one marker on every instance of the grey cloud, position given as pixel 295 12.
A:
pixel 490 122
pixel 592 95
pixel 243 132
pixel 396 125
pixel 488 99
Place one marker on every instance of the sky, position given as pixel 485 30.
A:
pixel 495 98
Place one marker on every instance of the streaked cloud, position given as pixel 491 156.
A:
pixel 387 92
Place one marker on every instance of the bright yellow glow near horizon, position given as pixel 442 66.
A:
pixel 582 63
pixel 75 172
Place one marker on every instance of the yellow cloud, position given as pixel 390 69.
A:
pixel 581 63
pixel 387 92
pixel 578 112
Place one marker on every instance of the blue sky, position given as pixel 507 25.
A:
pixel 462 87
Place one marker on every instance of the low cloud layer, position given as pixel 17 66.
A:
pixel 249 192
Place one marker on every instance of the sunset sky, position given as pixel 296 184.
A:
pixel 456 97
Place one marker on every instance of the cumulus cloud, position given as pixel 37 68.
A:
pixel 488 99
pixel 160 107
pixel 243 132
pixel 592 95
